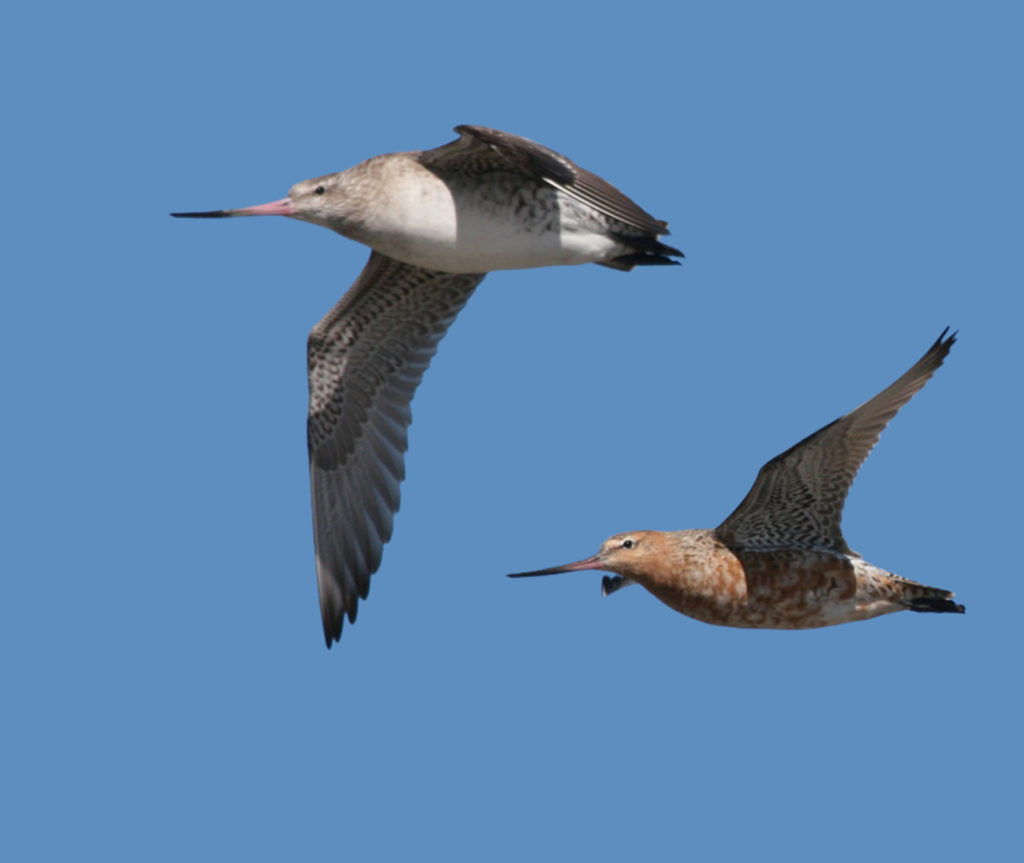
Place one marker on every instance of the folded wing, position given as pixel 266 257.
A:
pixel 480 149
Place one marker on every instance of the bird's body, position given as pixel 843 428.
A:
pixel 780 560
pixel 419 209
pixel 437 221
pixel 698 575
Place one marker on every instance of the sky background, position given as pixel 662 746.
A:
pixel 844 183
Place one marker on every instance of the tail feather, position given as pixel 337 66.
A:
pixel 647 251
pixel 920 597
pixel 942 604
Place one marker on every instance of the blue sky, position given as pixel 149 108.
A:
pixel 845 183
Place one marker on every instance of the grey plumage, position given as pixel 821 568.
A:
pixel 366 358
pixel 437 220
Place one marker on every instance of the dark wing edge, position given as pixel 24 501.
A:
pixel 798 497
pixel 366 358
pixel 557 170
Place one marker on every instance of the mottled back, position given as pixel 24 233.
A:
pixel 481 150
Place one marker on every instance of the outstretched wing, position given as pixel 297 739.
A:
pixel 797 499
pixel 480 149
pixel 366 358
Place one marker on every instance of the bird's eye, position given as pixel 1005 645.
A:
pixel 319 190
pixel 628 543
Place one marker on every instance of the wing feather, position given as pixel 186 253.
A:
pixel 798 497
pixel 366 358
pixel 480 150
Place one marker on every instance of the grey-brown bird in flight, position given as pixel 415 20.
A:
pixel 437 222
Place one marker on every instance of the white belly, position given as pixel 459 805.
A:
pixel 467 230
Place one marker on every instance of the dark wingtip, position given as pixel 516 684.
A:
pixel 332 631
pixel 209 214
pixel 937 353
pixel 333 624
pixel 612 583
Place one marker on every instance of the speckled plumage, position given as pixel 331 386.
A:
pixel 780 561
pixel 437 221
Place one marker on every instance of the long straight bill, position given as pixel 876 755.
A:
pixel 282 207
pixel 590 563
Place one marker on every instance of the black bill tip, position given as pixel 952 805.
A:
pixel 209 214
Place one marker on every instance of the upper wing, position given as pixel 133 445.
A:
pixel 366 358
pixel 479 148
pixel 797 499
